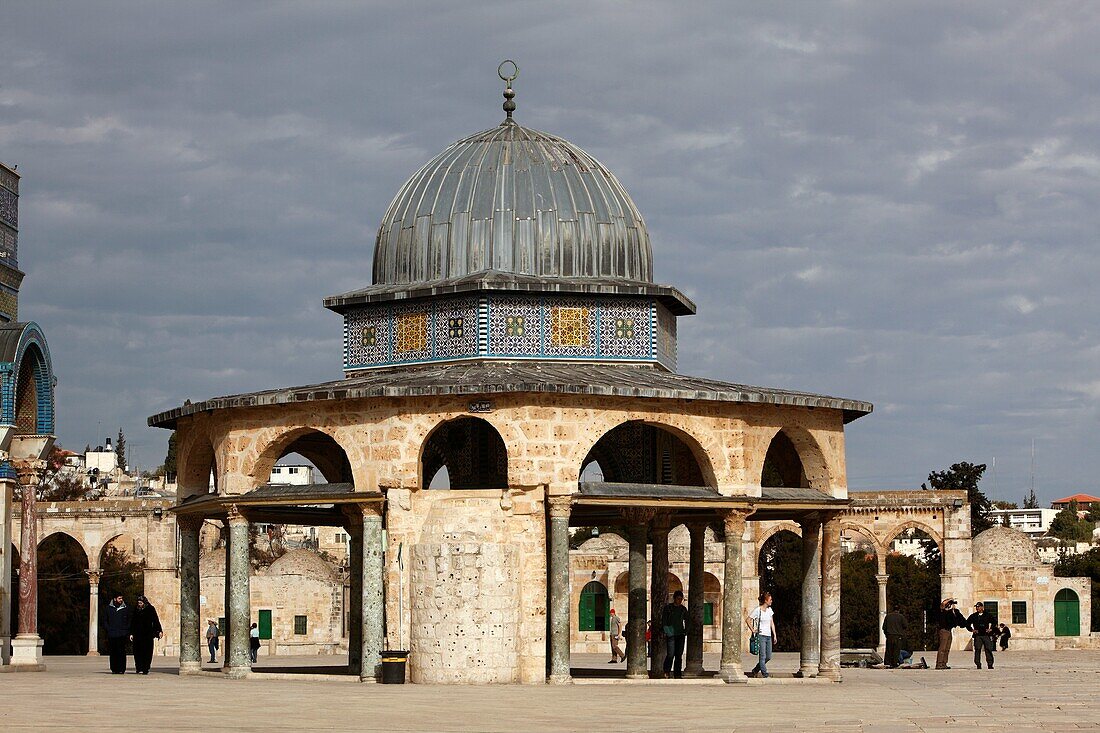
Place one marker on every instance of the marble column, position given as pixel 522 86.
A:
pixel 191 635
pixel 238 615
pixel 732 610
pixel 810 654
pixel 558 605
pixel 93 612
pixel 27 644
pixel 829 667
pixel 224 628
pixel 636 531
pixel 355 591
pixel 882 579
pixel 371 600
pixel 6 486
pixel 658 592
pixel 696 558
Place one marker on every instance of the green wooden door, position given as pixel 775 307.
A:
pixel 265 624
pixel 1067 613
pixel 708 614
pixel 592 611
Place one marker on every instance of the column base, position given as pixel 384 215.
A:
pixel 190 668
pixel 92 653
pixel 559 679
pixel 830 674
pixel 807 672
pixel 238 673
pixel 643 675
pixel 693 669
pixel 27 653
pixel 733 675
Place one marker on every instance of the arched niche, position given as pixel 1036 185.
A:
pixel 470 450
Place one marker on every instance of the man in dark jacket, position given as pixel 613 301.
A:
pixel 894 627
pixel 674 623
pixel 948 618
pixel 144 627
pixel 985 634
pixel 118 631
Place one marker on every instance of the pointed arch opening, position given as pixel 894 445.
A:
pixel 122 572
pixel 779 566
pixel 794 460
pixel 464 453
pixel 638 452
pixel 63 600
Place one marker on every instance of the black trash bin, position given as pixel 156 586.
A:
pixel 393 667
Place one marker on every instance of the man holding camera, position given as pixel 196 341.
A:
pixel 949 618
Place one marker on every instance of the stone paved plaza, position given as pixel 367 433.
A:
pixel 1028 691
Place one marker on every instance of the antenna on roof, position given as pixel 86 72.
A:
pixel 508 71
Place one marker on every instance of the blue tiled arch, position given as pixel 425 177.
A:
pixel 29 343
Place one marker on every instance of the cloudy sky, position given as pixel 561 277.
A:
pixel 895 202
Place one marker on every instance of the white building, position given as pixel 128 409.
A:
pixel 1032 522
pixel 291 475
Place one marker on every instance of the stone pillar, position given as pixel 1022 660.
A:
pixel 93 612
pixel 371 602
pixel 810 654
pixel 829 666
pixel 732 603
pixel 191 635
pixel 882 580
pixel 6 486
pixel 559 603
pixel 238 615
pixel 658 592
pixel 636 608
pixel 696 558
pixel 355 591
pixel 27 645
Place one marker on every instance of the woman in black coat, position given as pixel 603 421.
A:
pixel 144 628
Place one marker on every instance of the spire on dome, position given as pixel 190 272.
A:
pixel 508 71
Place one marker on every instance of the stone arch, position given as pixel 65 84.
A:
pixel 472 450
pixel 813 468
pixel 658 453
pixel 865 534
pixel 913 524
pixel 319 446
pixel 785 525
pixel 196 463
pixel 112 541
pixel 622 584
pixel 63 592
pixel 70 536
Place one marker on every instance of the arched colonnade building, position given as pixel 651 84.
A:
pixel 514 334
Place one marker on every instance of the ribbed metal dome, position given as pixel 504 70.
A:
pixel 516 200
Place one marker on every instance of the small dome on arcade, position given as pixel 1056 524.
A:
pixel 1004 546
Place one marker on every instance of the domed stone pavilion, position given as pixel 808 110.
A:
pixel 510 373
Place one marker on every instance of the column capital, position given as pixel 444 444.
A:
pixel 371 509
pixel 636 515
pixel 661 521
pixel 29 471
pixel 94 576
pixel 733 520
pixel 882 579
pixel 809 520
pixel 697 526
pixel 189 522
pixel 560 506
pixel 234 515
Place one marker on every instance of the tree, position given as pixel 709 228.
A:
pixel 120 450
pixel 1085 565
pixel 1031 501
pixel 964 476
pixel 1066 525
pixel 780 569
pixel 859 600
pixel 55 485
pixel 266 548
pixel 1094 512
pixel 170 459
pixel 1005 505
